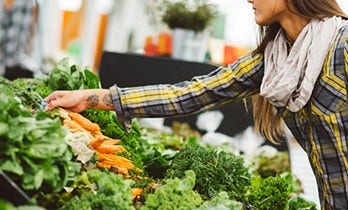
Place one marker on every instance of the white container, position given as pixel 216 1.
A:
pixel 180 36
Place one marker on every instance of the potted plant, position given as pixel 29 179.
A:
pixel 193 15
pixel 189 21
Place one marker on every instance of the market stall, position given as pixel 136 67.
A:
pixel 66 160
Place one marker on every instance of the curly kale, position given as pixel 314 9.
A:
pixel 175 194
pixel 113 192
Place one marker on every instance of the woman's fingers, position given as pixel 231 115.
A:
pixel 57 99
pixel 53 96
pixel 72 100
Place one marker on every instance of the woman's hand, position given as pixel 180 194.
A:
pixel 79 100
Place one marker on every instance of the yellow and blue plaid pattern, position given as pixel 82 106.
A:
pixel 321 127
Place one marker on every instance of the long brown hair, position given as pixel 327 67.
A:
pixel 266 120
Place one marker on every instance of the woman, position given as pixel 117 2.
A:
pixel 298 74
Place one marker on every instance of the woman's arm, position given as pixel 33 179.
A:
pixel 224 85
pixel 221 86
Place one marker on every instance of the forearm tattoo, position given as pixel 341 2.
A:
pixel 108 100
pixel 93 100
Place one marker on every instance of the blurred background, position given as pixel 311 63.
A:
pixel 83 29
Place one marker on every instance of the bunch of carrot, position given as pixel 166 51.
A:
pixel 106 148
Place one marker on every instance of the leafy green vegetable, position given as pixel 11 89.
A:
pixel 66 77
pixel 175 194
pixel 270 165
pixel 32 145
pixel 160 149
pixel 4 205
pixel 215 171
pixel 221 202
pixel 269 193
pixel 299 203
pixel 29 90
pixel 295 183
pixel 113 192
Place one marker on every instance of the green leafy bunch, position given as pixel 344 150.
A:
pixel 112 192
pixel 270 165
pixel 29 90
pixel 215 171
pixel 269 193
pixel 299 203
pixel 175 194
pixel 5 205
pixel 221 201
pixel 66 77
pixel 32 148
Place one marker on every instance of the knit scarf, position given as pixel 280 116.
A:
pixel 289 79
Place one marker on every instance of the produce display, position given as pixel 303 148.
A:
pixel 66 160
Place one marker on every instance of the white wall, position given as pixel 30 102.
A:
pixel 240 29
pixel 130 17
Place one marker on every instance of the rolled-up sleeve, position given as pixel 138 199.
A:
pixel 114 90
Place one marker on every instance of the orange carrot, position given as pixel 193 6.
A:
pixel 116 169
pixel 84 122
pixel 110 149
pixel 121 170
pixel 136 192
pixel 73 126
pixel 111 141
pixel 97 141
pixel 115 160
pixel 103 165
pixel 104 144
pixel 119 164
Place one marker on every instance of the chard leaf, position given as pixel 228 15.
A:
pixel 40 150
pixel 3 129
pixel 36 134
pixel 38 178
pixel 33 179
pixel 63 65
pixel 12 165
pixel 91 80
pixel 77 77
pixel 16 134
pixel 52 176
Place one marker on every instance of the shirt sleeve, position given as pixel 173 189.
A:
pixel 223 85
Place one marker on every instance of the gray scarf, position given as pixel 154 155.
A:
pixel 289 79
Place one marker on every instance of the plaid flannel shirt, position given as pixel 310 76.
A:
pixel 321 126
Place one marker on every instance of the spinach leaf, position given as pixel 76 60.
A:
pixel 33 150
pixel 65 77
